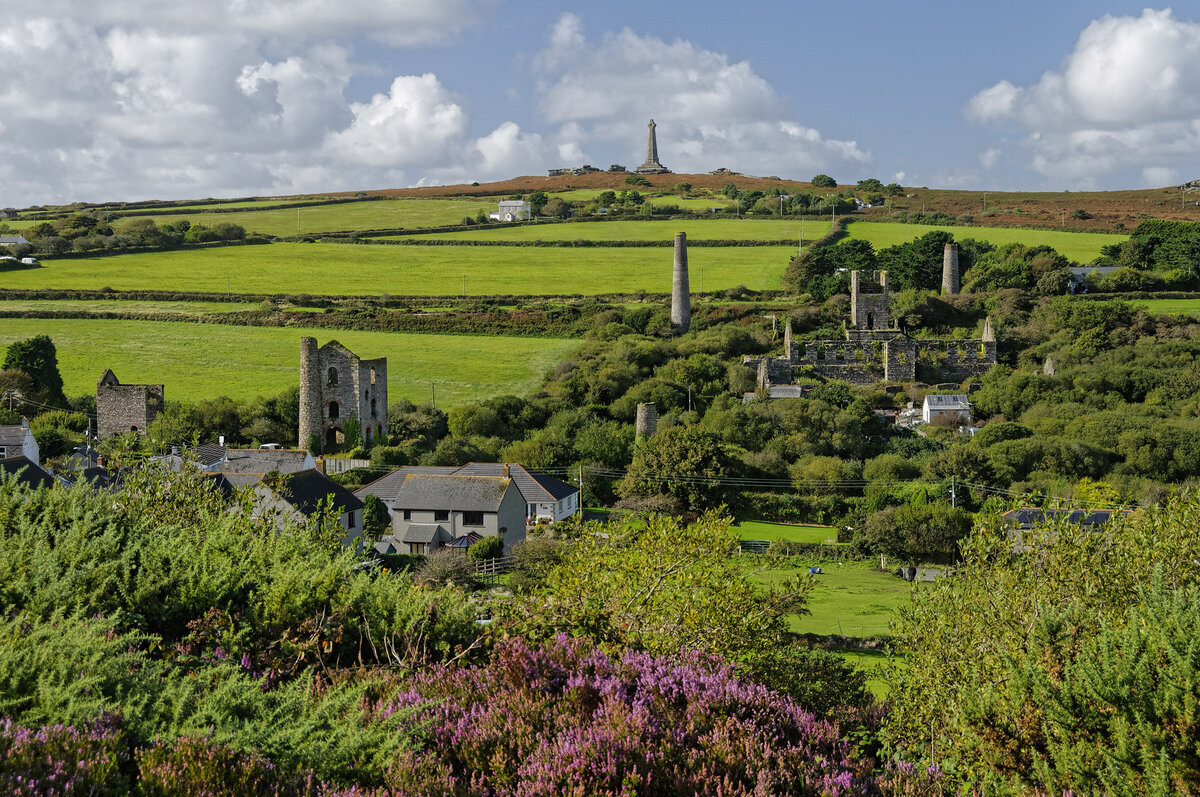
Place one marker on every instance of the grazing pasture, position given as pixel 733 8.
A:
pixel 622 230
pixel 763 530
pixel 374 215
pixel 1082 247
pixel 1189 307
pixel 851 598
pixel 203 361
pixel 410 270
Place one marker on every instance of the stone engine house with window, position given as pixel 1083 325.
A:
pixel 335 385
pixel 125 408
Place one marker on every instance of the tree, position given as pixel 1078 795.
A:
pixel 537 200
pixel 870 184
pixel 487 548
pixel 636 179
pixel 556 208
pixel 684 463
pixel 915 531
pixel 823 181
pixel 376 519
pixel 38 358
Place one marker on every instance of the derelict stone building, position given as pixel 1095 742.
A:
pixel 873 349
pixel 335 385
pixel 125 408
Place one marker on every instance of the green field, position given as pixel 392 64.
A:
pixel 1082 247
pixel 1174 306
pixel 199 361
pixel 373 215
pixel 409 270
pixel 697 204
pixel 762 530
pixel 123 306
pixel 696 229
pixel 853 599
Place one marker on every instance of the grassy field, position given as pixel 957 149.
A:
pixel 696 229
pixel 125 306
pixel 199 361
pixel 409 270
pixel 853 599
pixel 1082 247
pixel 1175 306
pixel 689 203
pixel 762 530
pixel 378 214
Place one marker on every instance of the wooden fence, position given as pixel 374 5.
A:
pixel 489 570
pixel 341 465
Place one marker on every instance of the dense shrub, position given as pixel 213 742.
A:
pixel 564 718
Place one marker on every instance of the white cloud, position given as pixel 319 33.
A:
pixel 1158 176
pixel 710 112
pixel 412 124
pixel 1129 92
pixel 508 151
pixel 989 157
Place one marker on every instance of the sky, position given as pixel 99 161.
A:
pixel 160 99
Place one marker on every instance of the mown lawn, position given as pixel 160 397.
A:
pixel 762 530
pixel 625 230
pixel 1082 247
pixel 374 215
pixel 410 270
pixel 853 598
pixel 201 361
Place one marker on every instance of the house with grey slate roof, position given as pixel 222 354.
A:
pixel 27 472
pixel 16 440
pixel 433 510
pixel 545 497
pixel 941 406
pixel 300 497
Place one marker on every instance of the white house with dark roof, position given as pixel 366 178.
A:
pixel 300 496
pixel 512 210
pixel 941 406
pixel 16 440
pixel 432 510
pixel 545 497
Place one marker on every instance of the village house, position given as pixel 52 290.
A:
pixel 27 472
pixel 16 440
pixel 546 498
pixel 430 511
pixel 946 406
pixel 512 210
pixel 300 498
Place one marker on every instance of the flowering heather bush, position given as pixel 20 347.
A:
pixel 567 719
pixel 62 759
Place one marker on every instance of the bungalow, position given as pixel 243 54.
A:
pixel 943 406
pixel 430 511
pixel 12 240
pixel 16 440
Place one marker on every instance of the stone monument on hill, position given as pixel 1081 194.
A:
pixel 652 166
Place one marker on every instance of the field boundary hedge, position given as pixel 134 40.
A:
pixel 578 242
pixel 836 233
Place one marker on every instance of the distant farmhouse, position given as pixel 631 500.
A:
pixel 12 240
pixel 875 349
pixel 125 408
pixel 954 405
pixel 512 210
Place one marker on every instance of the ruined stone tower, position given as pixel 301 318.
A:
pixel 652 166
pixel 647 421
pixel 335 385
pixel 125 408
pixel 681 299
pixel 950 277
pixel 869 302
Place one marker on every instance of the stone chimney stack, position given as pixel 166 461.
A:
pixel 681 300
pixel 647 421
pixel 950 278
pixel 787 337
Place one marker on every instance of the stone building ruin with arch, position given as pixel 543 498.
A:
pixel 335 385
pixel 874 349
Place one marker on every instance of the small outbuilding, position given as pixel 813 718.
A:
pixel 947 405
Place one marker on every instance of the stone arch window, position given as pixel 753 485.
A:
pixel 372 406
pixel 334 410
pixel 133 428
pixel 372 376
pixel 368 437
pixel 331 437
pixel 870 320
pixel 332 378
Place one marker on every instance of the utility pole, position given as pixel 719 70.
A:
pixel 433 394
pixel 953 496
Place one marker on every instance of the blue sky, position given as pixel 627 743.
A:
pixel 157 99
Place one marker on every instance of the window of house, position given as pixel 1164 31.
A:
pixel 441 514
pixel 408 514
pixel 351 518
pixel 472 518
pixel 417 548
